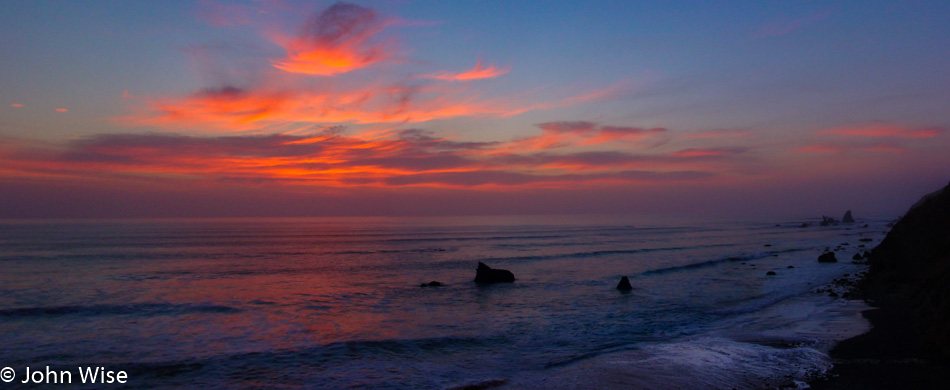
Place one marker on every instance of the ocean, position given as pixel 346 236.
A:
pixel 329 303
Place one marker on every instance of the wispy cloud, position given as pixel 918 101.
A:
pixel 718 133
pixel 885 130
pixel 787 26
pixel 17 105
pixel 479 72
pixel 328 158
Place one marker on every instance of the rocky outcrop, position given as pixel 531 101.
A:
pixel 485 274
pixel 431 284
pixel 847 217
pixel 827 257
pixel 624 284
pixel 910 270
pixel 828 221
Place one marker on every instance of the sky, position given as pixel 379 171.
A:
pixel 275 108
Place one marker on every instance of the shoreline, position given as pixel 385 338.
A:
pixel 908 286
pixel 891 355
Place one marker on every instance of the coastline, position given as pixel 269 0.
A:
pixel 906 284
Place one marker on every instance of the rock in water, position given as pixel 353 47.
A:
pixel 828 221
pixel 827 257
pixel 847 217
pixel 624 284
pixel 770 273
pixel 857 256
pixel 431 284
pixel 910 269
pixel 486 274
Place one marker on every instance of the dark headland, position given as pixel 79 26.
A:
pixel 908 284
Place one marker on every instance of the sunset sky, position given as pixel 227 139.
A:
pixel 284 108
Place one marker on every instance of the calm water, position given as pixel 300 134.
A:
pixel 336 303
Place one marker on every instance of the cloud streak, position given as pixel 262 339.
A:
pixel 329 159
pixel 479 72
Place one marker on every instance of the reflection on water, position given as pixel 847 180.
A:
pixel 336 302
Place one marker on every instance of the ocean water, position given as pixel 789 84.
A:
pixel 337 302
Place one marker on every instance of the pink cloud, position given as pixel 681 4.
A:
pixel 710 152
pixel 717 134
pixel 62 109
pixel 885 130
pixel 784 27
pixel 18 105
pixel 479 72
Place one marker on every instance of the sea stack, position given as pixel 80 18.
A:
pixel 847 217
pixel 624 284
pixel 485 275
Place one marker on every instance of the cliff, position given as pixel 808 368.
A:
pixel 910 271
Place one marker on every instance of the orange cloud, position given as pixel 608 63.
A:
pixel 580 133
pixel 62 109
pixel 884 130
pixel 236 109
pixel 410 158
pixel 479 72
pixel 335 41
pixel 16 105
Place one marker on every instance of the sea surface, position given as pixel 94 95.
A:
pixel 337 303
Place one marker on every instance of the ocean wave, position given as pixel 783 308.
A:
pixel 709 263
pixel 140 309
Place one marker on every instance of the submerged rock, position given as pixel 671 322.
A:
pixel 827 257
pixel 486 274
pixel 770 273
pixel 847 217
pixel 431 284
pixel 624 284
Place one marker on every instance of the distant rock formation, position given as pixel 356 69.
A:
pixel 485 274
pixel 431 284
pixel 624 284
pixel 828 221
pixel 847 217
pixel 910 269
pixel 827 257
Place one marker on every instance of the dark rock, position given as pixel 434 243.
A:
pixel 866 239
pixel 827 257
pixel 486 274
pixel 624 284
pixel 865 225
pixel 857 256
pixel 791 266
pixel 847 217
pixel 910 270
pixel 770 273
pixel 768 244
pixel 828 221
pixel 804 224
pixel 431 284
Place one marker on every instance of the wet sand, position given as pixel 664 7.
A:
pixel 890 356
